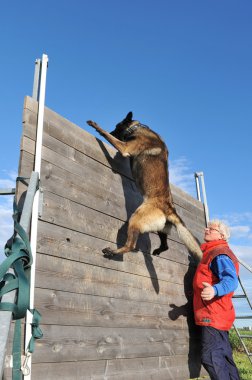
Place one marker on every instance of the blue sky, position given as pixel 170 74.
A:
pixel 183 67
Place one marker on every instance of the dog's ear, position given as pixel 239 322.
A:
pixel 129 116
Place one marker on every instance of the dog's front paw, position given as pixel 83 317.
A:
pixel 108 253
pixel 92 124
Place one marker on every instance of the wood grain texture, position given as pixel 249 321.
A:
pixel 164 368
pixel 124 319
pixel 68 343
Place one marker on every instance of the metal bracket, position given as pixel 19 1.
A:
pixel 25 368
pixel 8 361
pixel 7 191
pixel 36 81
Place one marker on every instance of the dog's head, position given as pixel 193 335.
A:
pixel 124 128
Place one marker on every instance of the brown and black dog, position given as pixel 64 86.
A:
pixel 149 164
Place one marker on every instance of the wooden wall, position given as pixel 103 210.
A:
pixel 105 319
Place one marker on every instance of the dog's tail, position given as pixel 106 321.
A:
pixel 186 236
pixel 189 240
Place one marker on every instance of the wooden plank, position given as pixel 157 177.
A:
pixel 141 368
pixel 70 370
pixel 176 364
pixel 65 275
pixel 139 365
pixel 68 343
pixel 69 214
pixel 163 368
pixel 69 309
pixel 64 243
pixel 185 200
pixel 30 104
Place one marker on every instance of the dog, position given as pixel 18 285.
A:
pixel 149 165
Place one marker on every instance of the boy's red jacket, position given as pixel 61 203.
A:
pixel 219 311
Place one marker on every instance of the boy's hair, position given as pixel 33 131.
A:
pixel 223 228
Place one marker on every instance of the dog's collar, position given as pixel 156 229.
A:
pixel 133 127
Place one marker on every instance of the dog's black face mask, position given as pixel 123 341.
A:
pixel 120 131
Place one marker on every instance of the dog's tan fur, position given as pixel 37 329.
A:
pixel 149 163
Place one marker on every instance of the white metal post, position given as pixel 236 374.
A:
pixel 201 176
pixel 35 210
pixel 204 197
pixel 36 80
pixel 197 186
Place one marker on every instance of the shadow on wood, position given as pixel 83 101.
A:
pixel 144 243
pixel 186 310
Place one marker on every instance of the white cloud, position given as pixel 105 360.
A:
pixel 238 232
pixel 238 218
pixel 10 179
pixel 182 175
pixel 240 226
pixel 6 184
pixel 243 252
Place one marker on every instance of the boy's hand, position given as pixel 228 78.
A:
pixel 208 292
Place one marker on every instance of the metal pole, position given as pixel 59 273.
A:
pixel 204 197
pixel 201 176
pixel 25 219
pixel 36 80
pixel 35 210
pixel 197 186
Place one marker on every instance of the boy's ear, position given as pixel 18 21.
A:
pixel 129 116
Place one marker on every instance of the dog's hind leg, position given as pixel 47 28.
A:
pixel 133 232
pixel 163 239
pixel 163 244
pixel 145 219
pixel 130 245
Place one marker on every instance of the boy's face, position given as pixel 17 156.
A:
pixel 212 233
